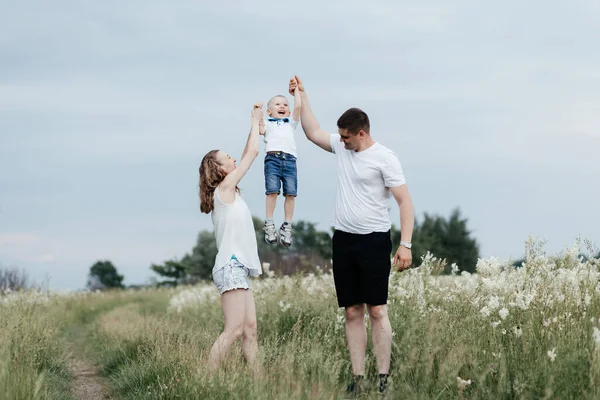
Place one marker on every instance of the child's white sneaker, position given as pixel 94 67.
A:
pixel 285 234
pixel 270 234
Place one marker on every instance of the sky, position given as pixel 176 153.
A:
pixel 107 108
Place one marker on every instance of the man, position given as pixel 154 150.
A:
pixel 367 173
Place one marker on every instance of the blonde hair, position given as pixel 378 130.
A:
pixel 274 97
pixel 211 176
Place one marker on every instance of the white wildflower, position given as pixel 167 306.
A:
pixel 547 322
pixel 493 303
pixel 596 336
pixel 284 307
pixel 488 268
pixel 503 313
pixel 518 387
pixel 552 354
pixel 193 297
pixel 517 331
pixel 587 299
pixel 454 269
pixel 462 384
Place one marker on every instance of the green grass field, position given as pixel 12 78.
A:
pixel 526 333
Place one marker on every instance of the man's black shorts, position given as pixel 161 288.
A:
pixel 361 267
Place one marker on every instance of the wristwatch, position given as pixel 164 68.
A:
pixel 408 245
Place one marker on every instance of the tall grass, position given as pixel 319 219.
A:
pixel 40 330
pixel 33 363
pixel 530 333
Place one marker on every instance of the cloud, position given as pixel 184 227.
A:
pixel 88 96
pixel 18 239
pixel 44 258
pixel 22 247
pixel 105 112
pixel 584 119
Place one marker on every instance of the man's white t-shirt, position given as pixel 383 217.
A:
pixel 364 179
pixel 279 136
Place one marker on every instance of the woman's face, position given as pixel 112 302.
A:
pixel 226 162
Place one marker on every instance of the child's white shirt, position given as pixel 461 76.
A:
pixel 279 135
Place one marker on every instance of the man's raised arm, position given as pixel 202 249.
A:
pixel 310 125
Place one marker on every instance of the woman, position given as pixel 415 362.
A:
pixel 237 256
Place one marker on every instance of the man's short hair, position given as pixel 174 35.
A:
pixel 354 120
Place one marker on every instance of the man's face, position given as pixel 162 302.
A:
pixel 351 140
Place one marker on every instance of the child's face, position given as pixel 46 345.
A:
pixel 278 107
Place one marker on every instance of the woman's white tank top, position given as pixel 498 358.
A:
pixel 234 232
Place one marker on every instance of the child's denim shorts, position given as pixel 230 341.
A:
pixel 281 167
pixel 234 275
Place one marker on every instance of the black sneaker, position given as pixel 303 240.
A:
pixel 383 383
pixel 355 387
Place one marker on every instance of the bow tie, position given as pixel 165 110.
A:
pixel 279 119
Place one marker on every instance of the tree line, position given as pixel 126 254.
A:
pixel 446 237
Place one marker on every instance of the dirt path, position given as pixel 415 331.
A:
pixel 87 382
